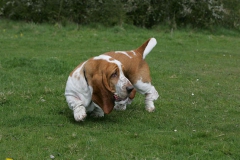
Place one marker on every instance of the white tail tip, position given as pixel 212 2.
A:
pixel 151 44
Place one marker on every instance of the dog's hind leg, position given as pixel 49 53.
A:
pixel 141 81
pixel 150 94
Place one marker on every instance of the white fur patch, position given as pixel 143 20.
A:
pixel 146 88
pixel 151 44
pixel 107 58
pixel 133 53
pixel 123 52
pixel 142 87
pixel 77 87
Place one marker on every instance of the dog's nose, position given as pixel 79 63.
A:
pixel 129 89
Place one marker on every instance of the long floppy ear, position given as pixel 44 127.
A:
pixel 101 95
pixel 106 81
pixel 146 47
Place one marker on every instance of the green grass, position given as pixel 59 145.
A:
pixel 197 75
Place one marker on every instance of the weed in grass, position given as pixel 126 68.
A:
pixel 195 73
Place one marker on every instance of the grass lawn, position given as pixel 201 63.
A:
pixel 196 73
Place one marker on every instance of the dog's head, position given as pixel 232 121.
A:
pixel 105 76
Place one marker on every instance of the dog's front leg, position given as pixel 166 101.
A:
pixel 75 104
pixel 97 111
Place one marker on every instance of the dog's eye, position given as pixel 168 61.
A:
pixel 114 75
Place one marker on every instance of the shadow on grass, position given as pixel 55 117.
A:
pixel 107 119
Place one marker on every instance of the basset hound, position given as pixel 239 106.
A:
pixel 137 71
pixel 95 85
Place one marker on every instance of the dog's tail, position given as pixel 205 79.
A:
pixel 146 47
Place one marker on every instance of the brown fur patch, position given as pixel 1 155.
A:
pixel 98 73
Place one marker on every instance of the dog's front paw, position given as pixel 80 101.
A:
pixel 120 107
pixel 79 113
